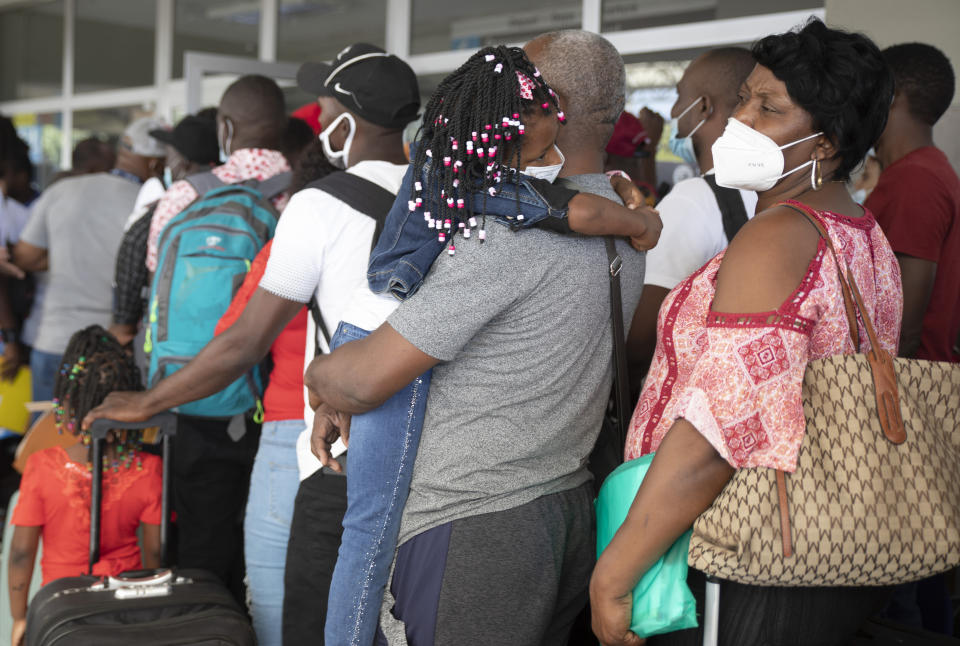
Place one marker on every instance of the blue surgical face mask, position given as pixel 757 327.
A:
pixel 167 177
pixel 682 147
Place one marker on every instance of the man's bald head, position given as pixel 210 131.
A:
pixel 707 96
pixel 719 73
pixel 256 111
pixel 586 70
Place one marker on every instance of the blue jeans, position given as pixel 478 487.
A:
pixel 266 525
pixel 44 367
pixel 383 447
pixel 407 247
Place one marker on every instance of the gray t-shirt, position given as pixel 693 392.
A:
pixel 79 221
pixel 522 325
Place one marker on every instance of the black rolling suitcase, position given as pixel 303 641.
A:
pixel 143 607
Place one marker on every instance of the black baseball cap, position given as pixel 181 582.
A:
pixel 371 83
pixel 194 137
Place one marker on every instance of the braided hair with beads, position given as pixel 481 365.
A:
pixel 472 137
pixel 94 365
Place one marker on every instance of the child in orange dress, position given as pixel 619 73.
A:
pixel 55 490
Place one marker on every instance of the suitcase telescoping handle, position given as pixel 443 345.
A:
pixel 167 425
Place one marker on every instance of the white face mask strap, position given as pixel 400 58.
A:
pixel 680 116
pixel 791 172
pixel 563 160
pixel 800 141
pixel 228 140
pixel 325 138
pixel 805 164
pixel 696 127
pixel 689 108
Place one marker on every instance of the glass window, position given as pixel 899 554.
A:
pixel 441 25
pixel 31 48
pixel 215 26
pixel 114 44
pixel 105 123
pixel 621 15
pixel 42 132
pixel 315 30
pixel 652 84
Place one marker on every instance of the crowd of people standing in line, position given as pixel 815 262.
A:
pixel 437 320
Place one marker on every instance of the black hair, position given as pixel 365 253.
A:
pixel 924 76
pixel 94 365
pixel 475 109
pixel 311 166
pixel 839 78
pixel 92 152
pixel 296 137
pixel 14 151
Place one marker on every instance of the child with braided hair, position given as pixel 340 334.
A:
pixel 55 491
pixel 486 150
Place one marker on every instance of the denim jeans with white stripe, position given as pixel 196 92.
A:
pixel 383 447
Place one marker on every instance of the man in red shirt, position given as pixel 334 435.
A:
pixel 917 202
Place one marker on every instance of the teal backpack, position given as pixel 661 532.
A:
pixel 203 256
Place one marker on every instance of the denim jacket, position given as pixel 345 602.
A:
pixel 407 247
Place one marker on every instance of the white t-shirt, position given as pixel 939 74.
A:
pixel 13 217
pixel 151 191
pixel 322 248
pixel 692 232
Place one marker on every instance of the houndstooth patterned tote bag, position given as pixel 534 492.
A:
pixel 875 498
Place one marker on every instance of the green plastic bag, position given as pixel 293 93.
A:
pixel 662 601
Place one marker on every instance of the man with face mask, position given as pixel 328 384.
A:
pixel 320 253
pixel 698 217
pixel 250 125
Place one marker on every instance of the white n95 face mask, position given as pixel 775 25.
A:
pixel 339 158
pixel 750 160
pixel 547 173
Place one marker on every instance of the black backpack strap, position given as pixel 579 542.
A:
pixel 273 186
pixel 732 209
pixel 203 183
pixel 365 196
pixel 314 308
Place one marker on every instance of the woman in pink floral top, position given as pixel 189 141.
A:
pixel 736 377
pixel 733 340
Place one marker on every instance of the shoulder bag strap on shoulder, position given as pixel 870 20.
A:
pixel 621 379
pixel 732 210
pixel 848 301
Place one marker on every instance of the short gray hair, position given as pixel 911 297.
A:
pixel 587 70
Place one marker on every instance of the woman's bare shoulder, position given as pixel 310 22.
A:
pixel 766 261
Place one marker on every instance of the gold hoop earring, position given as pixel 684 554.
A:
pixel 816 176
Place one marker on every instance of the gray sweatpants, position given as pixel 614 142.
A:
pixel 517 577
